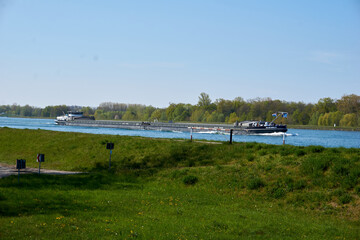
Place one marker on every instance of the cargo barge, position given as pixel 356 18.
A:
pixel 238 128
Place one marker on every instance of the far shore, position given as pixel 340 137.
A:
pixel 313 127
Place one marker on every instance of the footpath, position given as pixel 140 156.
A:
pixel 7 170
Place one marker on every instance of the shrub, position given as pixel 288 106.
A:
pixel 262 152
pixel 345 198
pixel 352 178
pixel 285 151
pixel 277 192
pixel 357 190
pixel 316 149
pixel 190 180
pixel 255 183
pixel 250 144
pixel 220 226
pixel 315 165
pixel 177 173
pixel 300 152
pixel 301 184
pixel 250 157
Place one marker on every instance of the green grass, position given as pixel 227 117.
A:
pixel 171 189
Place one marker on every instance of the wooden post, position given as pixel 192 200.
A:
pixel 283 138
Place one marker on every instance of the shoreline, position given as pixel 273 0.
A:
pixel 289 126
pixel 312 127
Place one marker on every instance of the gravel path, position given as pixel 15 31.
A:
pixel 7 170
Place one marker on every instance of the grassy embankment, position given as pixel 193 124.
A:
pixel 171 189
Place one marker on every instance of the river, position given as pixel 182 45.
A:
pixel 297 137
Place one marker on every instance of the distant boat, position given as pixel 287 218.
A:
pixel 71 116
pixel 262 126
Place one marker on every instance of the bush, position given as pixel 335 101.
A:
pixel 177 173
pixel 262 152
pixel 286 151
pixel 316 149
pixel 277 192
pixel 190 180
pixel 250 157
pixel 345 198
pixel 255 183
pixel 357 190
pixel 315 165
pixel 300 152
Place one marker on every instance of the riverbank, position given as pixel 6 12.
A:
pixel 171 188
pixel 313 127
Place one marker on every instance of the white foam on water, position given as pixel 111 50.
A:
pixel 177 131
pixel 275 134
pixel 213 132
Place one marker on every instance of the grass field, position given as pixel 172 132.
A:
pixel 175 189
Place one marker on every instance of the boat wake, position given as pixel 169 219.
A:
pixel 214 132
pixel 275 134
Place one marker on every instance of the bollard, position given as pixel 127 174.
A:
pixel 283 138
pixel 110 146
pixel 110 160
pixel 231 133
pixel 20 164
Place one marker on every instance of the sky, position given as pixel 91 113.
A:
pixel 160 52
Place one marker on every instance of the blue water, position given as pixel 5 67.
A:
pixel 297 137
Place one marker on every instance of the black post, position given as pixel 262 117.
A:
pixel 110 146
pixel 20 164
pixel 110 160
pixel 231 133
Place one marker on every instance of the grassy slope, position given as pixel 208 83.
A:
pixel 245 190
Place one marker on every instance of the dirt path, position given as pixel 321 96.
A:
pixel 7 170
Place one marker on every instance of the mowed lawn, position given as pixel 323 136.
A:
pixel 170 189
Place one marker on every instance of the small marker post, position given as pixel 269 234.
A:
pixel 20 164
pixel 110 146
pixel 231 133
pixel 283 138
pixel 40 158
pixel 110 160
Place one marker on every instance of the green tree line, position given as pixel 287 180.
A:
pixel 326 112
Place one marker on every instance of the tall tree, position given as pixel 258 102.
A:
pixel 204 100
pixel 349 104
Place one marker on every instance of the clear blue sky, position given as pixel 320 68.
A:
pixel 157 52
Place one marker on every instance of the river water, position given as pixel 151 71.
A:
pixel 297 137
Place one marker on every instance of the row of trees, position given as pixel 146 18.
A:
pixel 326 112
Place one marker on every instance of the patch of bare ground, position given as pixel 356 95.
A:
pixel 8 170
